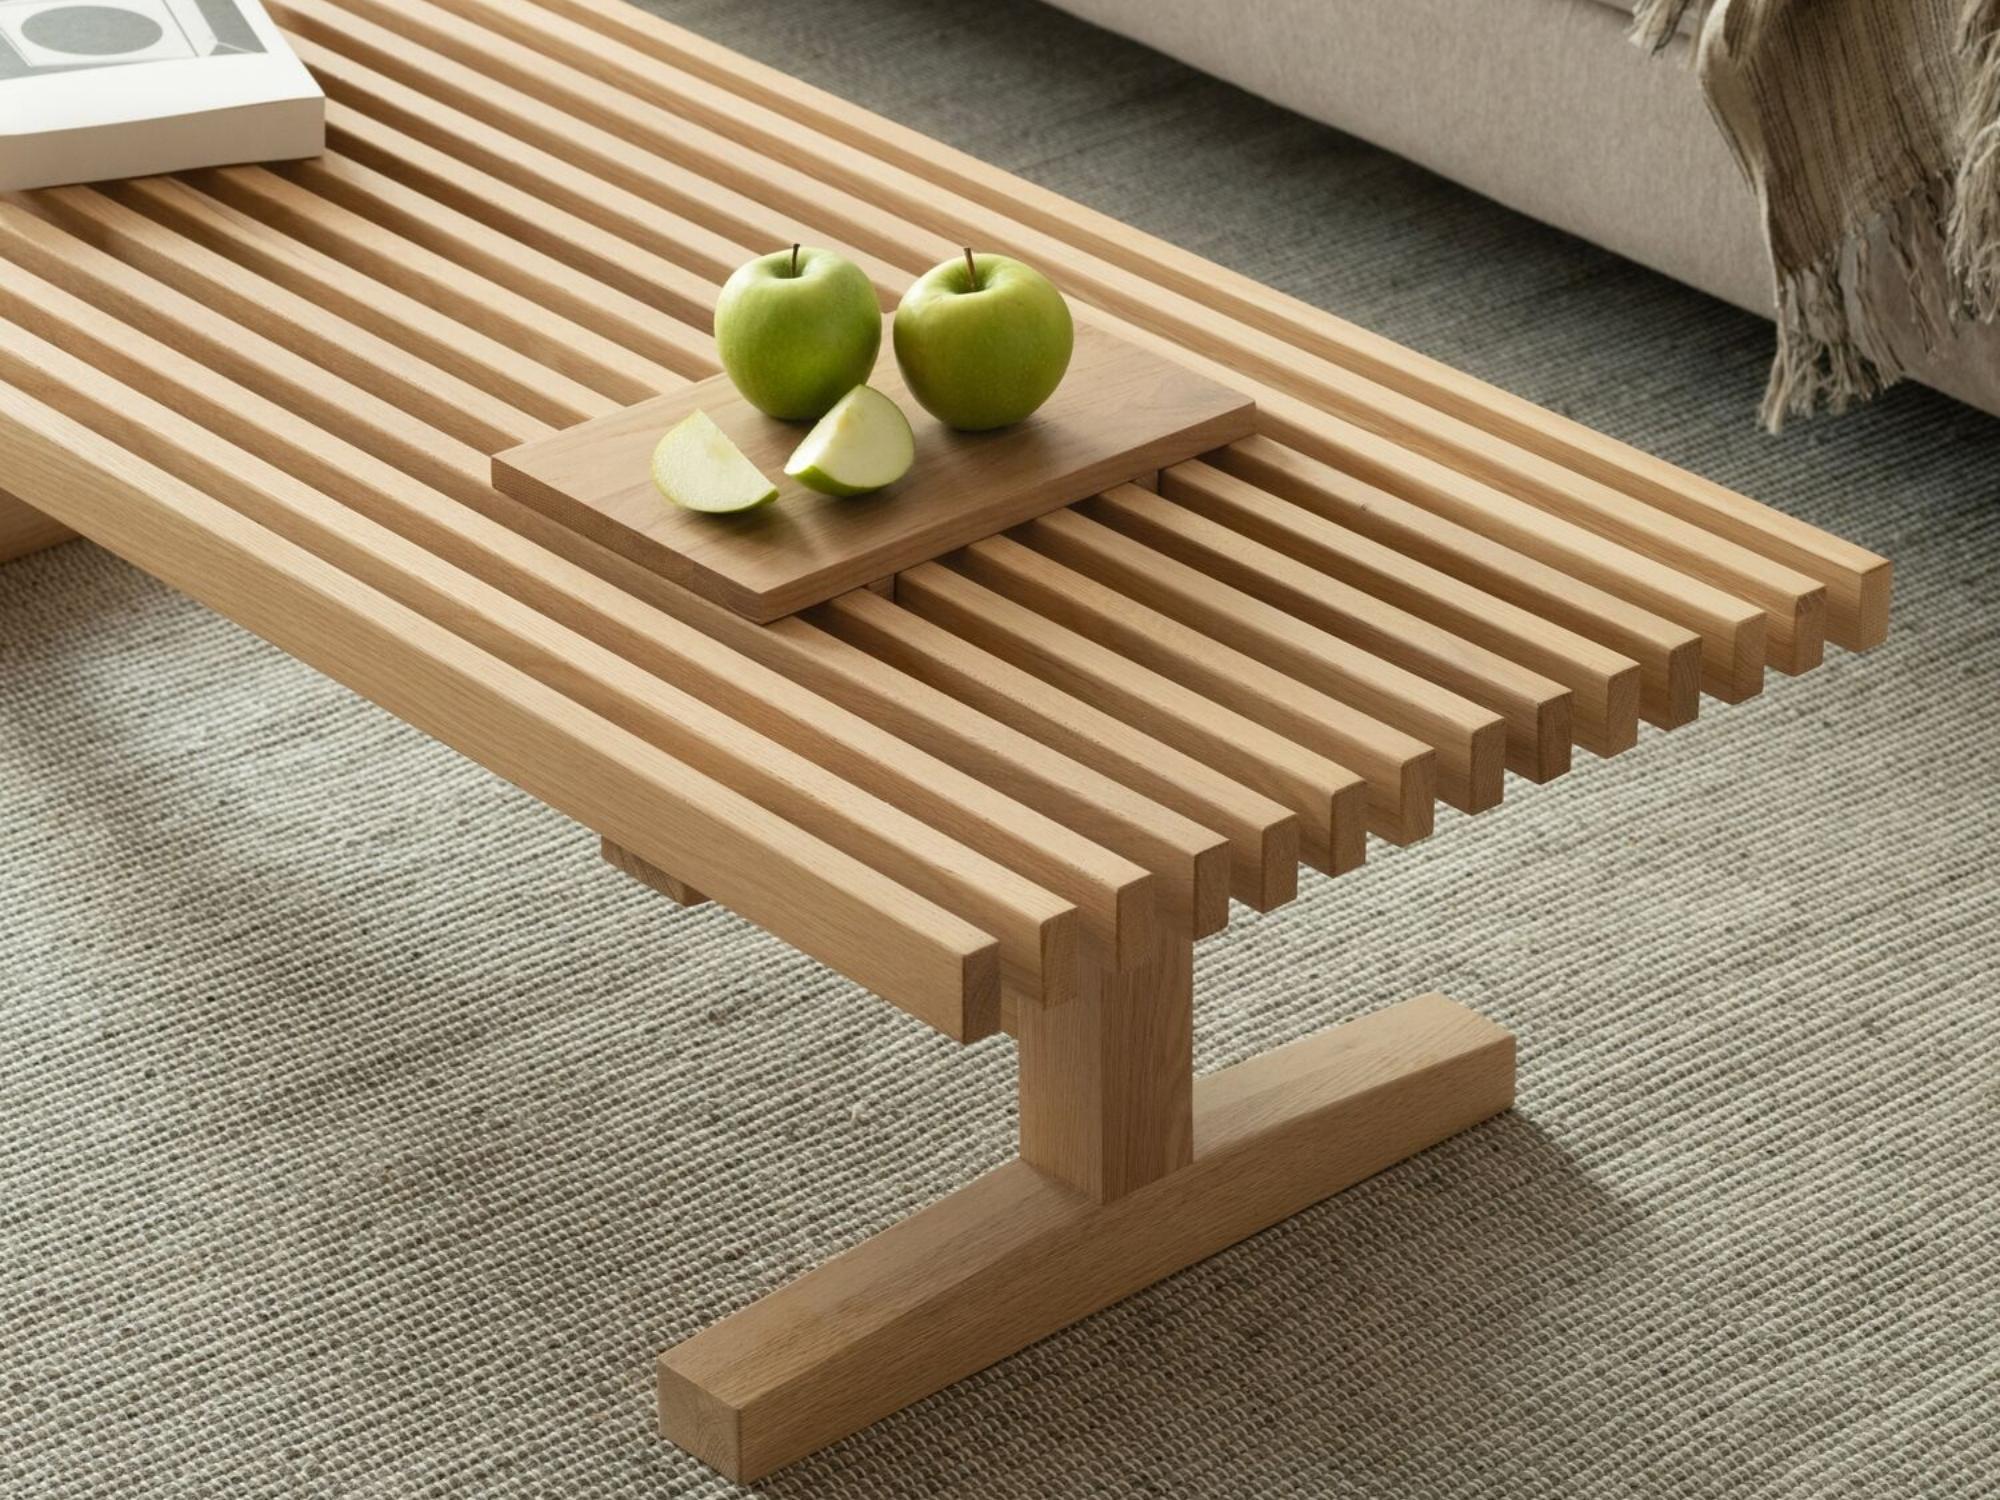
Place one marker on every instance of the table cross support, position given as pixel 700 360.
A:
pixel 1131 1169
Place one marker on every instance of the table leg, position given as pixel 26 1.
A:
pixel 670 886
pixel 1020 1254
pixel 1107 1080
pixel 24 530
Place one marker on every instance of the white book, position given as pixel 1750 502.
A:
pixel 96 89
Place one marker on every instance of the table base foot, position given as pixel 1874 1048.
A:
pixel 1015 1256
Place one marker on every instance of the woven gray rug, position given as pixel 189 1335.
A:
pixel 361 1135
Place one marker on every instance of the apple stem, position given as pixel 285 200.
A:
pixel 795 260
pixel 971 271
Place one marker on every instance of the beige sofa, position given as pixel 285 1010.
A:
pixel 1541 104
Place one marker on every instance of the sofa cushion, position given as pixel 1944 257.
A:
pixel 1542 104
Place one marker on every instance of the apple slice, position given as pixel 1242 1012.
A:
pixel 698 467
pixel 860 445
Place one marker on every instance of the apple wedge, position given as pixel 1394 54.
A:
pixel 860 445
pixel 696 466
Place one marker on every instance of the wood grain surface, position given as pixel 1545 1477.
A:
pixel 24 529
pixel 1290 586
pixel 1016 1255
pixel 1120 413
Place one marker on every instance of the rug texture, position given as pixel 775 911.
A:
pixel 362 1136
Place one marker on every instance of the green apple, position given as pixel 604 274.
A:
pixel 983 341
pixel 797 331
pixel 697 466
pixel 861 445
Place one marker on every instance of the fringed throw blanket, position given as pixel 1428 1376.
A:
pixel 1859 122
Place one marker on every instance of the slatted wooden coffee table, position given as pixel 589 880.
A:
pixel 1005 790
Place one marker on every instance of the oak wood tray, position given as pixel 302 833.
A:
pixel 1121 413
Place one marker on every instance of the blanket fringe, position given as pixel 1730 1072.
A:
pixel 1655 23
pixel 1818 363
pixel 1972 232
pixel 1835 343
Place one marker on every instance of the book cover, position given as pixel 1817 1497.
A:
pixel 97 89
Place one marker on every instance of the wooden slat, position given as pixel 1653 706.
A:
pixel 643 331
pixel 1287 554
pixel 134 299
pixel 1264 836
pixel 597 173
pixel 1192 863
pixel 1544 456
pixel 1401 771
pixel 492 176
pixel 1180 853
pixel 1732 631
pixel 1857 581
pixel 1037 947
pixel 899 944
pixel 643 151
pixel 1749 610
pixel 1669 655
pixel 1309 783
pixel 433 396
pixel 653 281
pixel 479 302
pixel 1471 740
pixel 1793 602
pixel 412 324
pixel 552 60
pixel 1267 595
